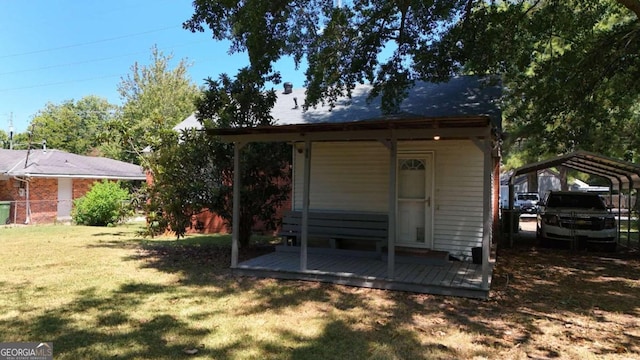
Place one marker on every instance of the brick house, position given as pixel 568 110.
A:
pixel 42 184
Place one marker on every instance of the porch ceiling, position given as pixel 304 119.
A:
pixel 388 128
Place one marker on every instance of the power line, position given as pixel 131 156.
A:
pixel 59 83
pixel 95 60
pixel 88 43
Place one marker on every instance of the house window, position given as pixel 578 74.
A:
pixel 412 164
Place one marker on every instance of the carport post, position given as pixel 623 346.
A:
pixel 510 212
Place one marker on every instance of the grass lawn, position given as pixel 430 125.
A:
pixel 103 293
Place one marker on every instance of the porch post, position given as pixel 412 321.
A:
pixel 305 205
pixel 486 209
pixel 391 242
pixel 235 224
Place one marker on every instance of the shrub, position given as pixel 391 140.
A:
pixel 103 205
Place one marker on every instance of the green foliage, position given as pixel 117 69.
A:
pixel 20 141
pixel 103 205
pixel 4 140
pixel 375 41
pixel 184 180
pixel 265 172
pixel 570 68
pixel 193 171
pixel 72 126
pixel 156 97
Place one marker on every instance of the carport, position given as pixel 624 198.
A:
pixel 623 174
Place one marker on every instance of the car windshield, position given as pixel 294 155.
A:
pixel 533 197
pixel 576 201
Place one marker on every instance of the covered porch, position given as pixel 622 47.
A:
pixel 389 270
pixel 430 169
pixel 431 274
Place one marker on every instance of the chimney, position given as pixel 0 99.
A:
pixel 288 88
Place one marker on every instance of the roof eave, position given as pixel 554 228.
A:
pixel 409 129
pixel 80 176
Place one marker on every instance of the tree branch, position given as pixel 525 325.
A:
pixel 633 5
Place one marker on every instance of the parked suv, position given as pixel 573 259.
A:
pixel 527 203
pixel 579 218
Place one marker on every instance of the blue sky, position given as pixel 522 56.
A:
pixel 57 50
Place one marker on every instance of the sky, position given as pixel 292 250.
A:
pixel 59 50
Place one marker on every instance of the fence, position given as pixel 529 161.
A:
pixel 39 211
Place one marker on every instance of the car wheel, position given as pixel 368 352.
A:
pixel 610 247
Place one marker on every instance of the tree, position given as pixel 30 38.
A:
pixel 569 67
pixel 4 140
pixel 155 98
pixel 72 126
pixel 184 180
pixel 265 167
pixel 375 41
pixel 193 171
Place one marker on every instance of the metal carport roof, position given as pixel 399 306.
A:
pixel 619 172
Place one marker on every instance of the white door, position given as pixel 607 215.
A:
pixel 414 201
pixel 65 198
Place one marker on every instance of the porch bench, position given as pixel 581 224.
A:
pixel 336 226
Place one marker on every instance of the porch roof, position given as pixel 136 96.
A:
pixel 390 127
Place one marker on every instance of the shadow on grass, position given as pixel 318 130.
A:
pixel 149 339
pixel 529 285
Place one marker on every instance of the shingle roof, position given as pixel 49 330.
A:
pixel 56 163
pixel 461 96
pixel 190 122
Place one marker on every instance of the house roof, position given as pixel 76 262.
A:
pixel 465 106
pixel 461 96
pixel 56 163
pixel 191 122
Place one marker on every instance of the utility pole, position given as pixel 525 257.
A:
pixel 10 131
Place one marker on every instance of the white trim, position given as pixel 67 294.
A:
pixel 392 236
pixel 306 187
pixel 235 222
pixel 487 207
pixel 109 177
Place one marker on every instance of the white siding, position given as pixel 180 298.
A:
pixel 458 205
pixel 345 176
pixel 354 176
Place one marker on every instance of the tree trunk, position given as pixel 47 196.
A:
pixel 532 181
pixel 564 186
pixel 246 223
